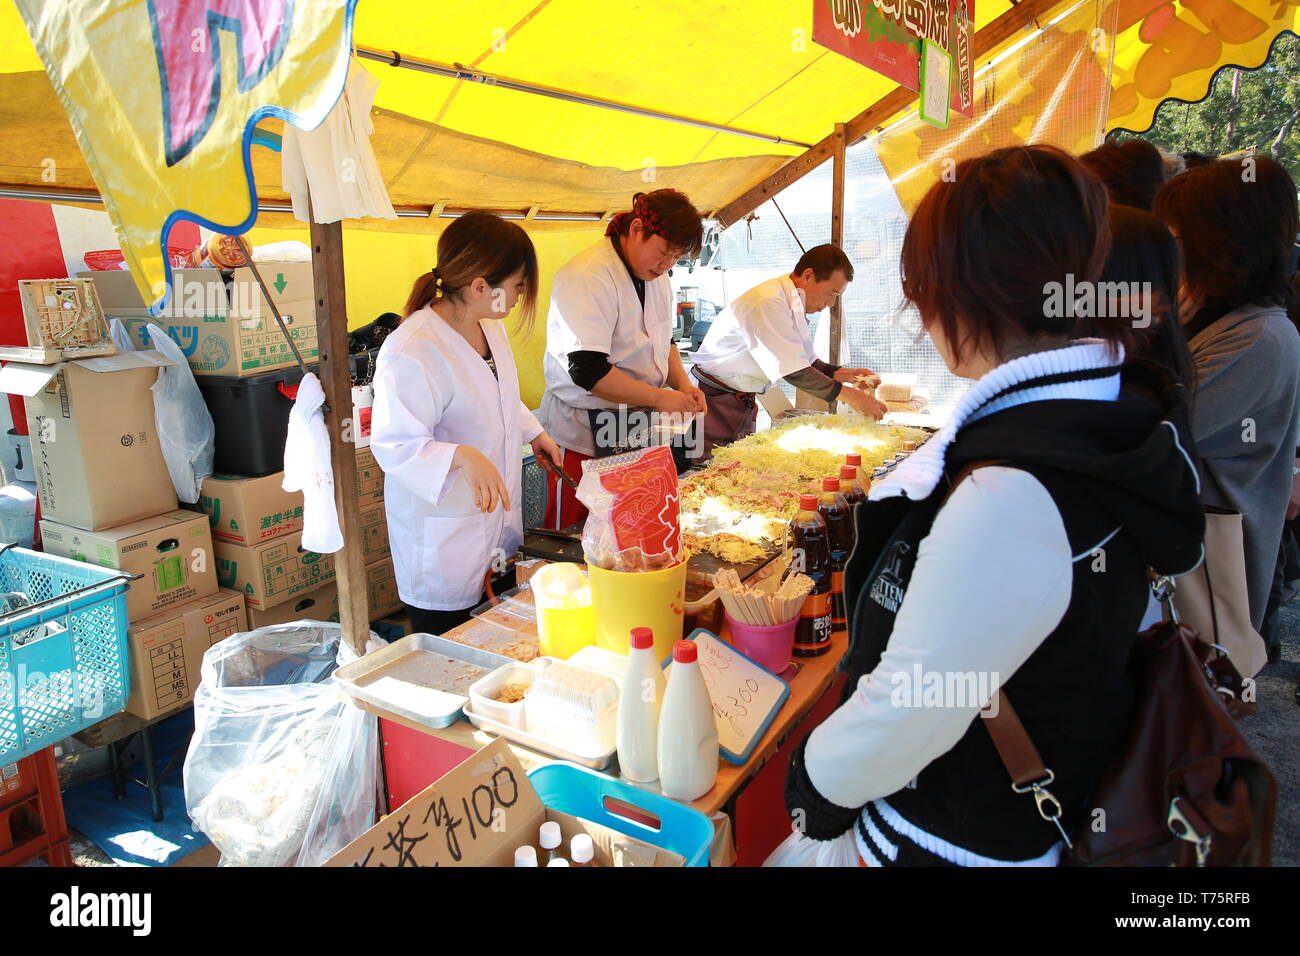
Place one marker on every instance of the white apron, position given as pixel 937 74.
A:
pixel 433 392
pixel 594 307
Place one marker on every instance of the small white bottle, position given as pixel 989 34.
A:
pixel 558 861
pixel 526 856
pixel 582 850
pixel 688 736
pixel 639 703
pixel 551 838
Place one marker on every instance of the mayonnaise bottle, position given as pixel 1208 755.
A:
pixel 688 736
pixel 639 703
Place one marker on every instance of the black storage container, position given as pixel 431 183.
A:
pixel 251 416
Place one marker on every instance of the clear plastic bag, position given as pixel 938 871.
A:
pixel 799 850
pixel 185 430
pixel 282 770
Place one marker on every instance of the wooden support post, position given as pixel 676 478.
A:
pixel 837 231
pixel 336 379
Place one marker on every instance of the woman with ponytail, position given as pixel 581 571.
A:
pixel 448 422
pixel 609 347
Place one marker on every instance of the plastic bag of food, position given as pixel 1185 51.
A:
pixel 799 850
pixel 282 770
pixel 634 522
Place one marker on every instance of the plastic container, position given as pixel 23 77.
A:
pixel 688 736
pixel 598 659
pixel 640 699
pixel 624 600
pixel 834 508
pixel 810 537
pixel 566 620
pixel 573 706
pixel 251 416
pixel 515 610
pixel 625 808
pixel 769 647
pixel 483 693
pixel 54 686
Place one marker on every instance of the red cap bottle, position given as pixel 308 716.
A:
pixel 685 652
pixel 807 502
pixel 641 638
pixel 854 459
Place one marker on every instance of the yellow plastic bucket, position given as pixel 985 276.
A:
pixel 624 600
pixel 562 632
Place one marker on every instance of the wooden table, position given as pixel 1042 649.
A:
pixel 806 688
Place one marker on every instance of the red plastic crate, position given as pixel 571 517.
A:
pixel 31 812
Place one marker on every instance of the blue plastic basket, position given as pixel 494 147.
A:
pixel 61 683
pixel 580 792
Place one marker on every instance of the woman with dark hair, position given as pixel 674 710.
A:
pixel 1133 171
pixel 1143 273
pixel 609 337
pixel 1009 554
pixel 1235 221
pixel 448 422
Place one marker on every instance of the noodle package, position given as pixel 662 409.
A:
pixel 634 524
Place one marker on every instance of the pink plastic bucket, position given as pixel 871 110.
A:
pixel 769 647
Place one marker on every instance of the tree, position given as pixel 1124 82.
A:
pixel 1265 115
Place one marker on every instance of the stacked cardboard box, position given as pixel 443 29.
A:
pixel 107 499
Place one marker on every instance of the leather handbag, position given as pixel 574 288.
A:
pixel 1213 599
pixel 1187 789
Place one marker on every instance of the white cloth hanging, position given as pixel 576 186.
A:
pixel 335 161
pixel 307 468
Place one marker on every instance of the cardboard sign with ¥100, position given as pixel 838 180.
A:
pixel 746 697
pixel 476 815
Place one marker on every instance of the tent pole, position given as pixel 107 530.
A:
pixel 837 232
pixel 336 379
pixel 900 98
pixel 471 75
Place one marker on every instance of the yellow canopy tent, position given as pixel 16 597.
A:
pixel 556 111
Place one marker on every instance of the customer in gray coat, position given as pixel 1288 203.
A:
pixel 1236 221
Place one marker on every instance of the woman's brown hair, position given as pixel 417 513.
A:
pixel 1236 223
pixel 667 213
pixel 479 244
pixel 983 248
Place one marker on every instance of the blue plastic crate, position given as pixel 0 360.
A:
pixel 580 792
pixel 61 683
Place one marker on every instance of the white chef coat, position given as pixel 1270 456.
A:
pixel 594 308
pixel 433 392
pixel 761 337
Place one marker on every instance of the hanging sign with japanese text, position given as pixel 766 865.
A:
pixel 887 36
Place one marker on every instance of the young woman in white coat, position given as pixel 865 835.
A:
pixel 448 424
pixel 609 336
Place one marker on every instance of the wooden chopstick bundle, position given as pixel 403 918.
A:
pixel 771 601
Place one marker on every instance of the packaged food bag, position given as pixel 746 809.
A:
pixel 635 521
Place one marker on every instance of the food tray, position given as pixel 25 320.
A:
pixel 538 744
pixel 482 693
pixel 497 640
pixel 382 682
pixel 514 610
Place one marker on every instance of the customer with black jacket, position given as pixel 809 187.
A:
pixel 1028 575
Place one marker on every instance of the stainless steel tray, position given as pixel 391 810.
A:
pixel 392 680
pixel 540 744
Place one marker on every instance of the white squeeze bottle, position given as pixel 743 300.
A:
pixel 639 702
pixel 688 737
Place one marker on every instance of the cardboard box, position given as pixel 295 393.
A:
pixel 173 552
pixel 370 478
pixel 223 331
pixel 249 510
pixel 167 650
pixel 272 572
pixel 322 604
pixel 476 815
pixel 93 438
pixel 374 530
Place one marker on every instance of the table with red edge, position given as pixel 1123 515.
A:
pixel 752 793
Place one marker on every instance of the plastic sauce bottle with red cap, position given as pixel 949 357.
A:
pixel 688 736
pixel 810 540
pixel 850 487
pixel 834 507
pixel 854 461
pixel 639 703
